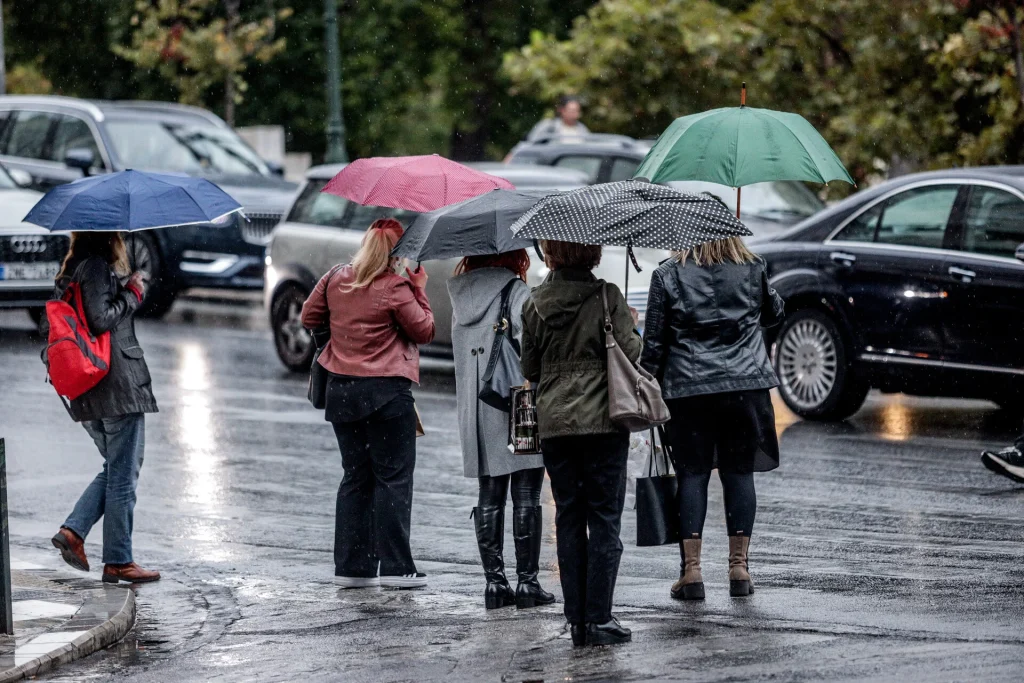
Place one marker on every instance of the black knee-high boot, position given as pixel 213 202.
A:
pixel 490 538
pixel 526 524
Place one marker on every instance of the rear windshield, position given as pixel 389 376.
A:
pixel 318 208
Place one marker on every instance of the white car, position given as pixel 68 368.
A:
pixel 30 256
pixel 321 230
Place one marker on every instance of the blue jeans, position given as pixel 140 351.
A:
pixel 111 495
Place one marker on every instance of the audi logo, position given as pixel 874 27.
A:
pixel 28 245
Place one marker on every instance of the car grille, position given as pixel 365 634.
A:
pixel 33 248
pixel 257 229
pixel 637 298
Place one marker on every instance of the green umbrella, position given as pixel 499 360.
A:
pixel 738 146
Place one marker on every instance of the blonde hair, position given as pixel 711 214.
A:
pixel 107 245
pixel 374 255
pixel 729 250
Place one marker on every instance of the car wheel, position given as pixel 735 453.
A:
pixel 37 314
pixel 293 343
pixel 160 289
pixel 815 378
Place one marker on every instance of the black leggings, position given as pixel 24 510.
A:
pixel 740 502
pixel 526 485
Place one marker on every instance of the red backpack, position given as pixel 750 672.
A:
pixel 75 358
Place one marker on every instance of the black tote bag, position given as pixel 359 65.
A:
pixel 503 370
pixel 318 374
pixel 657 502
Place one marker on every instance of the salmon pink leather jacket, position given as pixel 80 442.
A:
pixel 375 330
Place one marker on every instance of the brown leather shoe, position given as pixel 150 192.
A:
pixel 740 584
pixel 131 572
pixel 690 585
pixel 72 548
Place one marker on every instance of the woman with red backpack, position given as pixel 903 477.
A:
pixel 96 271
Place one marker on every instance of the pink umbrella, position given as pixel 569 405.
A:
pixel 419 183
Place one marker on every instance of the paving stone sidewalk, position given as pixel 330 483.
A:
pixel 60 617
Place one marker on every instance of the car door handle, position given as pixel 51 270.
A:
pixel 962 274
pixel 843 258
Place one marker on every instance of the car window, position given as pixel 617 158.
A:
pixel 623 169
pixel 169 146
pixel 27 135
pixel 993 222
pixel 862 228
pixel 917 217
pixel 318 208
pixel 590 165
pixel 363 216
pixel 73 133
pixel 4 115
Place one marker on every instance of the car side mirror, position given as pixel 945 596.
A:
pixel 82 159
pixel 1019 253
pixel 275 168
pixel 21 177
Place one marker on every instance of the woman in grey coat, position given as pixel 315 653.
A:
pixel 476 291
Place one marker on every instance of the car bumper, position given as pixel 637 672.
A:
pixel 18 294
pixel 218 269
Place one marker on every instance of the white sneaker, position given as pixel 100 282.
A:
pixel 357 581
pixel 417 580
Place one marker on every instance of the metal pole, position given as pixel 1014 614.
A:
pixel 6 618
pixel 335 122
pixel 3 69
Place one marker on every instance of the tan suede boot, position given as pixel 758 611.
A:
pixel 740 584
pixel 690 585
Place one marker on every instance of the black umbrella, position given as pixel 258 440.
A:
pixel 474 227
pixel 630 213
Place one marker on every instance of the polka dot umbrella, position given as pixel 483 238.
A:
pixel 630 213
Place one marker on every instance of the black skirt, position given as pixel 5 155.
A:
pixel 732 431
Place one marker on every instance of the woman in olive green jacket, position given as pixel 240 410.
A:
pixel 564 354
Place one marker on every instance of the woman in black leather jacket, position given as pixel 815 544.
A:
pixel 703 342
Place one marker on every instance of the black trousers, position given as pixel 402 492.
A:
pixel 374 510
pixel 588 483
pixel 526 485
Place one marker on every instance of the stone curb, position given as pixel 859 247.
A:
pixel 109 632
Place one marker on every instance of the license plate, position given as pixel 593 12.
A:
pixel 29 271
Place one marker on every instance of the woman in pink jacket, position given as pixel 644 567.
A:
pixel 377 318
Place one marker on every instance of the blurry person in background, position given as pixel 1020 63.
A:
pixel 113 411
pixel 703 341
pixel 585 453
pixel 377 318
pixel 1008 462
pixel 480 285
pixel 565 126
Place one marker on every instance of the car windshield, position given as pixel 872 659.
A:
pixel 781 200
pixel 6 183
pixel 194 149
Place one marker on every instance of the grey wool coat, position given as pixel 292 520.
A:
pixel 483 430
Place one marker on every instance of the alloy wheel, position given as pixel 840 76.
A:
pixel 808 363
pixel 294 343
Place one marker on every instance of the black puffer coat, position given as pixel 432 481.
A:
pixel 702 333
pixel 108 306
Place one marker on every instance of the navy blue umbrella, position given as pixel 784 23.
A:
pixel 474 227
pixel 131 200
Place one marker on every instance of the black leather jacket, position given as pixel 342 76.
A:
pixel 127 387
pixel 702 333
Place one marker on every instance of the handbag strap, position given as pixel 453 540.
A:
pixel 504 324
pixel 609 329
pixel 653 467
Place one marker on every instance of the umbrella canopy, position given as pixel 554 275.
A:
pixel 475 227
pixel 630 213
pixel 131 200
pixel 417 183
pixel 739 146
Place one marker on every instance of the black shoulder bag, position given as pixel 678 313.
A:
pixel 503 370
pixel 318 374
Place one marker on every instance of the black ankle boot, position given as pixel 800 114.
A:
pixel 526 523
pixel 490 538
pixel 609 633
pixel 579 634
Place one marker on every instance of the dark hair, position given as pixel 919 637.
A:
pixel 107 245
pixel 566 99
pixel 517 261
pixel 560 255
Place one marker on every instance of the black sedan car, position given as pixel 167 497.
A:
pixel 915 285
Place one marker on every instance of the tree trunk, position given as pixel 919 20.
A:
pixel 231 10
pixel 469 140
pixel 1018 52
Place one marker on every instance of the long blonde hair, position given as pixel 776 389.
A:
pixel 374 255
pixel 729 250
pixel 107 245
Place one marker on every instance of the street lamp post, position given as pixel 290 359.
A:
pixel 335 123
pixel 3 71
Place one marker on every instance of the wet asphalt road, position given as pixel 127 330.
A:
pixel 883 550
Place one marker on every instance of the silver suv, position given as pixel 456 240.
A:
pixel 321 230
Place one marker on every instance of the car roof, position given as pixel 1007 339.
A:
pixel 520 175
pixel 100 109
pixel 599 144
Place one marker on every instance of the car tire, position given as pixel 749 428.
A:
pixel 37 313
pixel 1012 405
pixel 293 343
pixel 816 379
pixel 144 254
